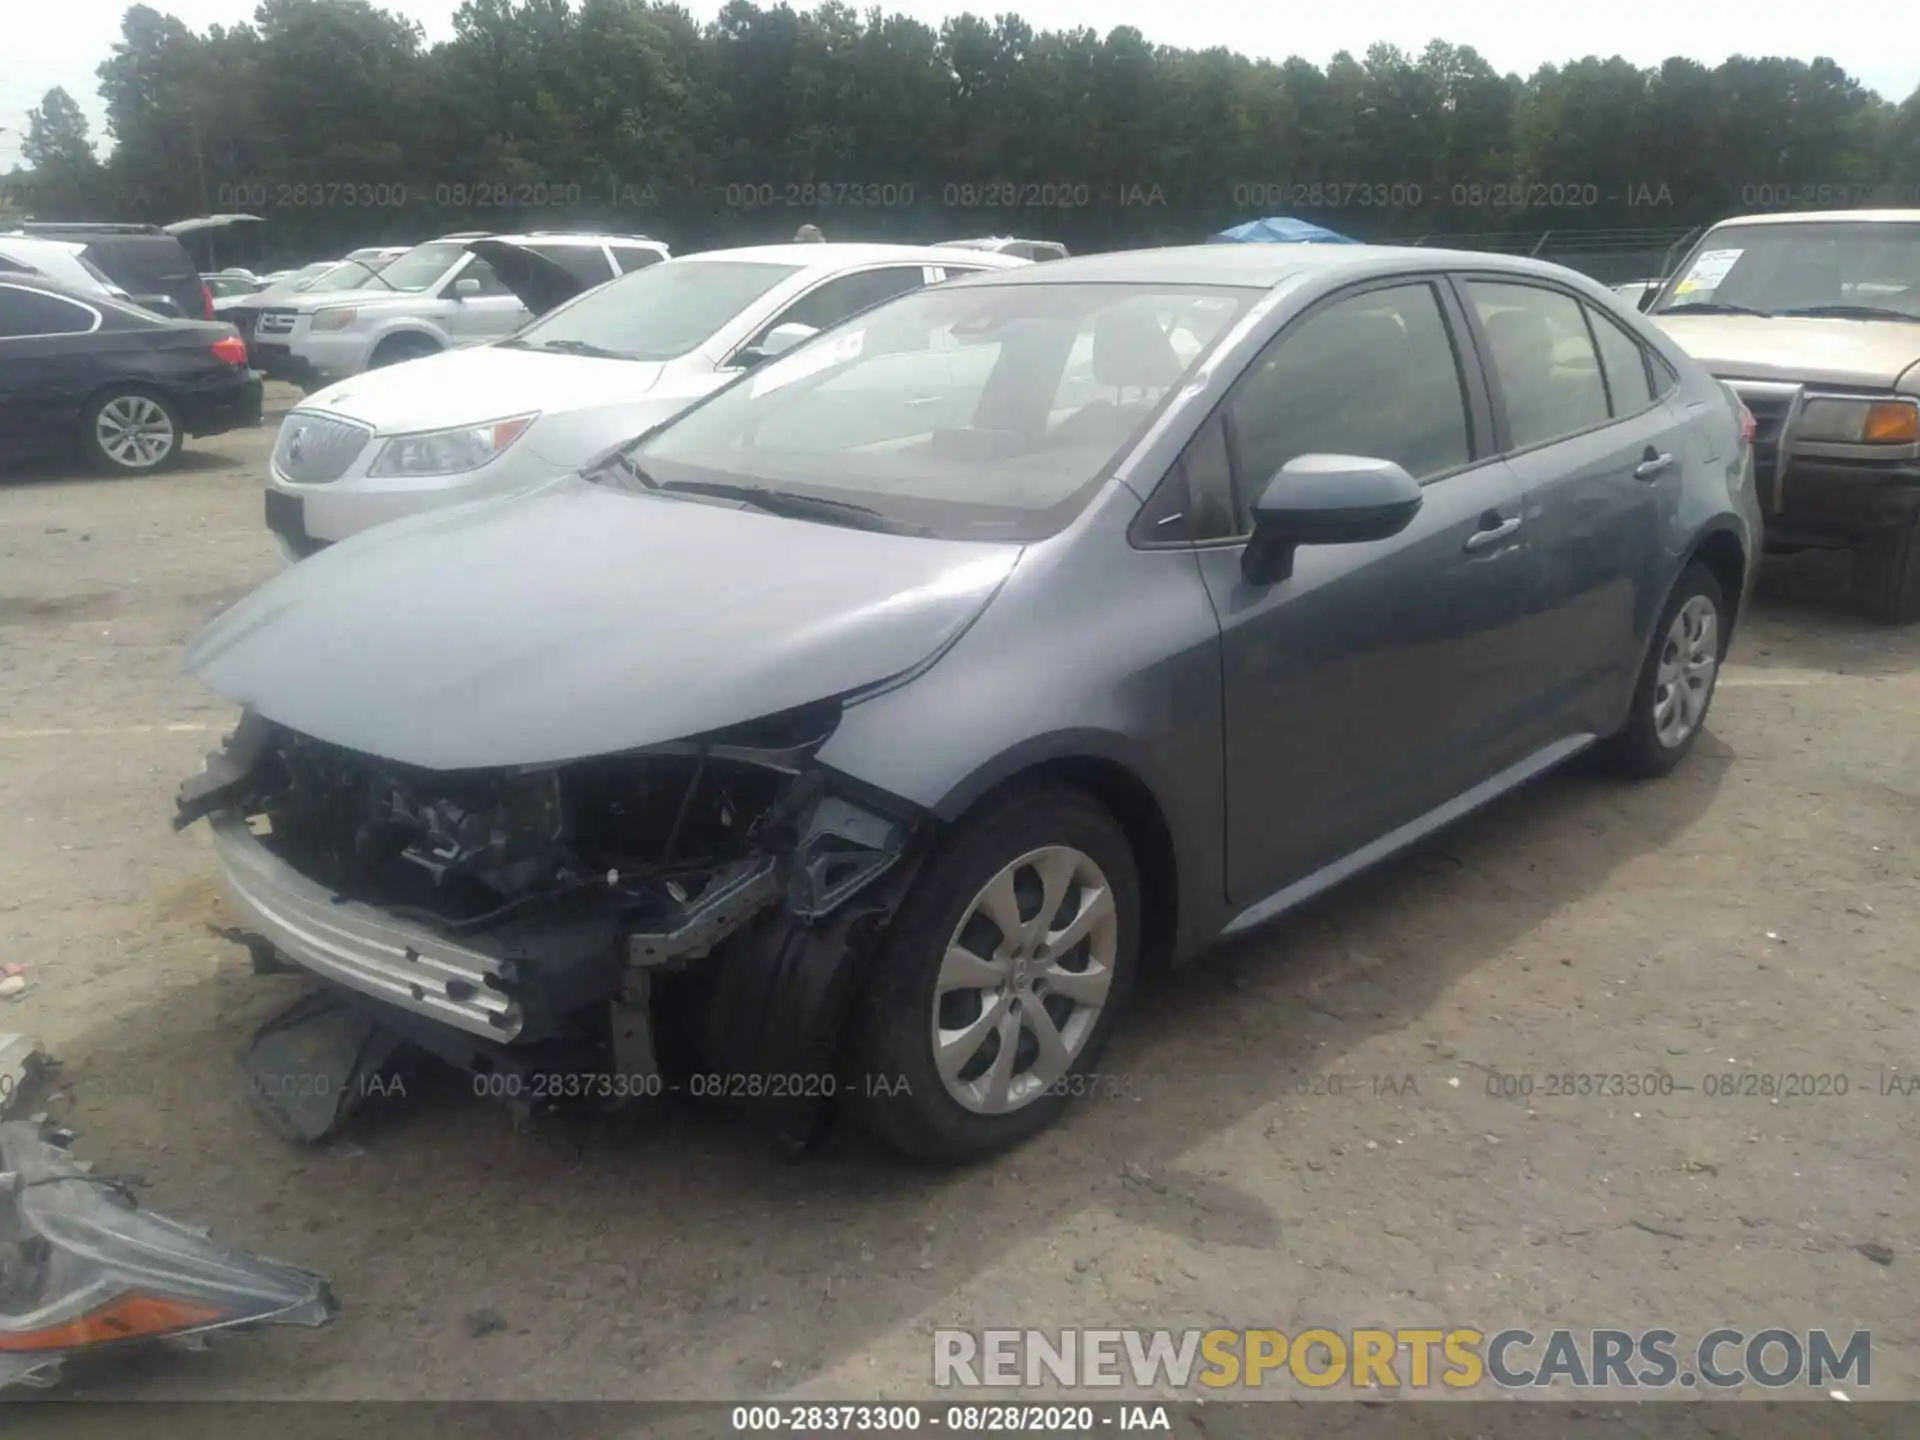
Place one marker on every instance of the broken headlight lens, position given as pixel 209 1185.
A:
pixel 449 452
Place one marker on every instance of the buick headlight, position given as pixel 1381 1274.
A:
pixel 1844 421
pixel 338 318
pixel 449 452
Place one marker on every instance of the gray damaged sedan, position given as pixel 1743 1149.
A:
pixel 865 731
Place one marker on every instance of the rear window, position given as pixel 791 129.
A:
pixel 144 262
pixel 585 263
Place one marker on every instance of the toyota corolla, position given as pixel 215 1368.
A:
pixel 864 731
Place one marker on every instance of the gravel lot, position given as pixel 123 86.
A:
pixel 1302 1133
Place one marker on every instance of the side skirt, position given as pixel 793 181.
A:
pixel 1414 831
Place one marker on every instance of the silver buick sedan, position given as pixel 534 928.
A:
pixel 856 738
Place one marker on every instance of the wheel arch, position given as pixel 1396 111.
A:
pixel 406 332
pixel 1097 766
pixel 1722 550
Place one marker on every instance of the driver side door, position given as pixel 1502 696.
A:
pixel 1378 681
pixel 493 312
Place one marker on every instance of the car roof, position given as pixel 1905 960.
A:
pixel 844 252
pixel 1793 217
pixel 1257 266
pixel 43 244
pixel 568 237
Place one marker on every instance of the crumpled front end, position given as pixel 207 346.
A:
pixel 82 1268
pixel 538 921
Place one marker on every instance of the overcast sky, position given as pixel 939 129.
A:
pixel 63 42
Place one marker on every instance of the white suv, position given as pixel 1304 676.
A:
pixel 446 293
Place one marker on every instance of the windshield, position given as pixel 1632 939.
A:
pixel 978 412
pixel 1818 266
pixel 347 275
pixel 420 267
pixel 659 313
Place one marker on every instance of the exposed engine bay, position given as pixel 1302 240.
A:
pixel 525 914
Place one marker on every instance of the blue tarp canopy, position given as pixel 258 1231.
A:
pixel 1281 230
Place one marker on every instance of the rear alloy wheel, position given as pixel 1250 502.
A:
pixel 132 432
pixel 1886 574
pixel 1677 681
pixel 1004 977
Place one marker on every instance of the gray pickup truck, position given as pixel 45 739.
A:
pixel 1814 319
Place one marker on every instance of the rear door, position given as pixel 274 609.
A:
pixel 1601 459
pixel 47 368
pixel 1380 680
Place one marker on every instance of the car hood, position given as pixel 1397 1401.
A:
pixel 483 382
pixel 308 302
pixel 1870 353
pixel 580 621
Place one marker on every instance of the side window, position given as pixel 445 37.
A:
pixel 478 269
pixel 1626 365
pixel 1544 358
pixel 634 257
pixel 584 262
pixel 847 295
pixel 1374 375
pixel 1665 377
pixel 34 312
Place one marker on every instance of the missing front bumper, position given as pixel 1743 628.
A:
pixel 404 965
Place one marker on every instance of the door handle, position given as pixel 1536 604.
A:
pixel 1487 539
pixel 1653 467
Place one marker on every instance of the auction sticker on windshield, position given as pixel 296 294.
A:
pixel 1709 270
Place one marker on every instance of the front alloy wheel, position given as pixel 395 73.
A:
pixel 1001 976
pixel 1025 977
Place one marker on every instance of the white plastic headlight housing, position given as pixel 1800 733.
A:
pixel 448 452
pixel 1845 421
pixel 338 318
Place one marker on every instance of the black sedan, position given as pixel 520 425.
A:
pixel 124 385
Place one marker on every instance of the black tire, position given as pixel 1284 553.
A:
pixel 1886 574
pixel 399 348
pixel 898 1093
pixel 130 409
pixel 1636 749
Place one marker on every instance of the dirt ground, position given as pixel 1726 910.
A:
pixel 1302 1133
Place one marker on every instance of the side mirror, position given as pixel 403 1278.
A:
pixel 1647 295
pixel 463 288
pixel 1325 500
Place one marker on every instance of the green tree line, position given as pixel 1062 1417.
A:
pixel 334 120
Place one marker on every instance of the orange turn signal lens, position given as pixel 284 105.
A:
pixel 128 1318
pixel 1893 422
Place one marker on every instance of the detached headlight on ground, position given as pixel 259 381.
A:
pixel 449 452
pixel 338 318
pixel 1859 422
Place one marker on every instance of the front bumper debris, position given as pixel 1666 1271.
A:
pixel 400 962
pixel 703 902
pixel 83 1268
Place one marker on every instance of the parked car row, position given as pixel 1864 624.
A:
pixel 855 671
pixel 601 363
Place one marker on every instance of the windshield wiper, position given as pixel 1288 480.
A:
pixel 1710 307
pixel 794 507
pixel 573 347
pixel 1852 312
